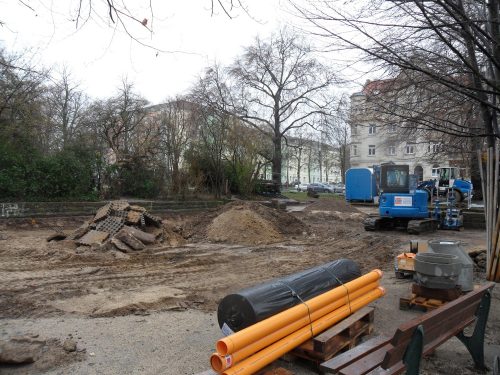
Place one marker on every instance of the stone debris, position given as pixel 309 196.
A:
pixel 479 258
pixel 69 345
pixel 21 349
pixel 124 227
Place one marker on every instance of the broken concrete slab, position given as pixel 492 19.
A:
pixel 120 245
pixel 93 237
pixel 111 225
pixel 151 219
pixel 120 205
pixel 126 237
pixel 137 208
pixel 133 217
pixel 102 212
pixel 144 237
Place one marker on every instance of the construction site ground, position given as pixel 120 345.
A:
pixel 154 311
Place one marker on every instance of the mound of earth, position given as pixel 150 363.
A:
pixel 339 205
pixel 251 223
pixel 336 215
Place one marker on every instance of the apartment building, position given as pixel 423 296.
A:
pixel 375 139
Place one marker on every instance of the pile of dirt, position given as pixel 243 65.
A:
pixel 252 223
pixel 336 215
pixel 121 226
pixel 339 205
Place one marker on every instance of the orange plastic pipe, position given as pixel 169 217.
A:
pixel 222 362
pixel 238 340
pixel 267 355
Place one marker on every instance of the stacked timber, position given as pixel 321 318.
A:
pixel 256 346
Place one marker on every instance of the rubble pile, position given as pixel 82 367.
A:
pixel 123 227
pixel 479 258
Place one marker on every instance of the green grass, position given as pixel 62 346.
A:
pixel 302 196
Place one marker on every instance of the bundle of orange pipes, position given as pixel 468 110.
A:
pixel 254 347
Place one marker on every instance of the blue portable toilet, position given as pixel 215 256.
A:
pixel 360 185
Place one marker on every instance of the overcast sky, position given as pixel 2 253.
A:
pixel 99 57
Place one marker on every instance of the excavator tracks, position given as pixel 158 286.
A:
pixel 421 226
pixel 374 223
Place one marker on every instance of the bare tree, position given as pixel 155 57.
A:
pixel 177 122
pixel 337 134
pixel 449 45
pixel 275 86
pixel 64 105
pixel 213 132
pixel 127 16
pixel 21 99
pixel 121 123
pixel 453 45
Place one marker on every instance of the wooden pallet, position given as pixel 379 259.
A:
pixel 426 299
pixel 342 336
pixel 418 302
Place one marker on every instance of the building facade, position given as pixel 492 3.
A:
pixel 375 139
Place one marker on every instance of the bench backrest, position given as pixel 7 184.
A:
pixel 439 325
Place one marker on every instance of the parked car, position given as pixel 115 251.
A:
pixel 318 187
pixel 339 188
pixel 301 187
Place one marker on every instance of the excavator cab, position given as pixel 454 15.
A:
pixel 400 203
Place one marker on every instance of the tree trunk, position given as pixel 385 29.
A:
pixel 299 165
pixel 277 161
pixel 475 175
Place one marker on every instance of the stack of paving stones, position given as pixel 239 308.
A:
pixel 120 225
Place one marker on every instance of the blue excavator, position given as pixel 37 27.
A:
pixel 402 205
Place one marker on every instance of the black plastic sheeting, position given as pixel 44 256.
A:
pixel 251 305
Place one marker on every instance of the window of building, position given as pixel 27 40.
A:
pixel 410 149
pixel 371 150
pixel 435 171
pixel 434 147
pixel 372 129
pixel 354 129
pixel 391 150
pixel 354 150
pixel 392 128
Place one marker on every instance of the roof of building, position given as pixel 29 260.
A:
pixel 374 87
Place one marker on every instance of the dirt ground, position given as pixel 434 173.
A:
pixel 52 289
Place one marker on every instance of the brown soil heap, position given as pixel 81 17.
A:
pixel 123 227
pixel 252 223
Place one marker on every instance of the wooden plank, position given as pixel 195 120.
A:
pixel 366 363
pixel 347 328
pixel 398 368
pixel 342 360
pixel 436 316
pixel 433 335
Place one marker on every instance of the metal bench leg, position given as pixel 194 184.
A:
pixel 413 353
pixel 475 343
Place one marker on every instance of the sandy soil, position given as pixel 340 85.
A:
pixel 42 282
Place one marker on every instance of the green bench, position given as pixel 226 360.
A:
pixel 418 337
